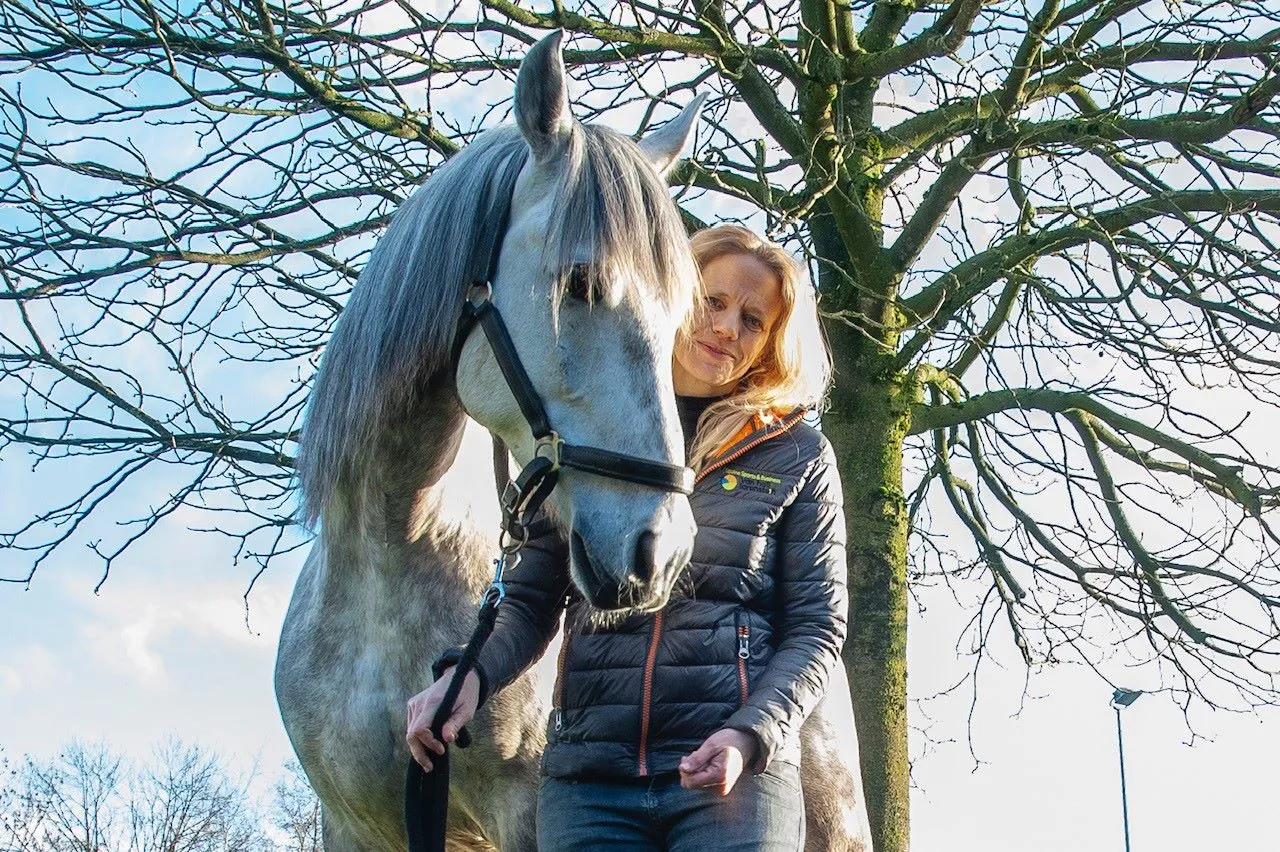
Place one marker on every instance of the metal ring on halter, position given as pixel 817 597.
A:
pixel 512 545
pixel 488 292
pixel 549 447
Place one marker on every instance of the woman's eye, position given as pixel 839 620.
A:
pixel 580 284
pixel 753 322
pixel 714 304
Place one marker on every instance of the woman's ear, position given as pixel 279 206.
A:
pixel 663 146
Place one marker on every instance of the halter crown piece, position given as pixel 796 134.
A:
pixel 426 797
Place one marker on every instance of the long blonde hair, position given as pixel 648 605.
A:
pixel 794 368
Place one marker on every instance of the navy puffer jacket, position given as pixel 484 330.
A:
pixel 747 640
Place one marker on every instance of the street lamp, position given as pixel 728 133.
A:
pixel 1123 698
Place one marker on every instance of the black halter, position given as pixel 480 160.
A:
pixel 426 796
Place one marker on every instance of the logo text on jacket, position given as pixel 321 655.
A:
pixel 748 481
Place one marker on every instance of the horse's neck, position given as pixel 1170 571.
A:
pixel 427 499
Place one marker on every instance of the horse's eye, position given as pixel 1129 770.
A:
pixel 580 284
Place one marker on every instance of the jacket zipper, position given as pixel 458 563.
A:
pixel 744 638
pixel 559 692
pixel 737 454
pixel 648 694
pixel 744 654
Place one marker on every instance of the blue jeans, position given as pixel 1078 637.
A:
pixel 761 812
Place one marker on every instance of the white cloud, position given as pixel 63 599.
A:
pixel 141 625
pixel 136 641
pixel 25 670
pixel 176 598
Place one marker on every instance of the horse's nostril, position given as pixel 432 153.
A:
pixel 646 558
pixel 602 593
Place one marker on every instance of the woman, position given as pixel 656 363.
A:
pixel 657 715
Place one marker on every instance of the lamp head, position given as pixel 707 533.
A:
pixel 1124 697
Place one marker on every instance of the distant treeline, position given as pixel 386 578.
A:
pixel 91 799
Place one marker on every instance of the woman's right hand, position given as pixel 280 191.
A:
pixel 422 709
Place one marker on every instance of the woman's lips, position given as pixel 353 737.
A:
pixel 716 353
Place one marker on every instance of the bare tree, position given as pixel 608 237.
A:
pixel 89 799
pixel 67 805
pixel 187 802
pixel 297 810
pixel 1045 237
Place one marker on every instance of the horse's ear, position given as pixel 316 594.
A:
pixel 663 146
pixel 542 98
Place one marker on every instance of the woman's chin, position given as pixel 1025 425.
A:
pixel 711 382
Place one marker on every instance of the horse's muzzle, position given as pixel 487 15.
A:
pixel 645 587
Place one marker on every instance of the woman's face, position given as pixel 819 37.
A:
pixel 744 303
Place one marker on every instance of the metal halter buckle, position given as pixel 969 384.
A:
pixel 514 534
pixel 510 497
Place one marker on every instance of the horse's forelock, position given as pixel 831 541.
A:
pixel 613 202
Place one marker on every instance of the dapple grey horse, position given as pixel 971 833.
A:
pixel 394 462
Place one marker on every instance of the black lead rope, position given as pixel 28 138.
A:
pixel 426 794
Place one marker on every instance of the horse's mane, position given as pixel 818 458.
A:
pixel 396 332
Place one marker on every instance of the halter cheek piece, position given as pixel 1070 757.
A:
pixel 426 796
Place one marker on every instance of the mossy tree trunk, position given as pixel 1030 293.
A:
pixel 867 424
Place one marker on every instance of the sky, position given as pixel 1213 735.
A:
pixel 167 648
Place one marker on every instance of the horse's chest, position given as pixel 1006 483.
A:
pixel 349 661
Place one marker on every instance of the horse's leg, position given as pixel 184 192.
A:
pixel 834 805
pixel 517 824
pixel 493 800
pixel 501 769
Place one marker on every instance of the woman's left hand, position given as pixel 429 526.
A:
pixel 718 762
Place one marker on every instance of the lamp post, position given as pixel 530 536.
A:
pixel 1123 698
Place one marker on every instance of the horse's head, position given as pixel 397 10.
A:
pixel 593 280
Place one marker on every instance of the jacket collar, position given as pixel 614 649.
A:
pixel 754 432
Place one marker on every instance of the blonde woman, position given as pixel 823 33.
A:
pixel 679 729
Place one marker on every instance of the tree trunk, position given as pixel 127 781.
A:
pixel 867 423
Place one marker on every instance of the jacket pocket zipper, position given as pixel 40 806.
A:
pixel 744 653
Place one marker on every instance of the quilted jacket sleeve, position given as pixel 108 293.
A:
pixel 812 616
pixel 529 615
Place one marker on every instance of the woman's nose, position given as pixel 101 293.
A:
pixel 725 326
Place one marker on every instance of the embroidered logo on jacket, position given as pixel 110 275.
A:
pixel 748 481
